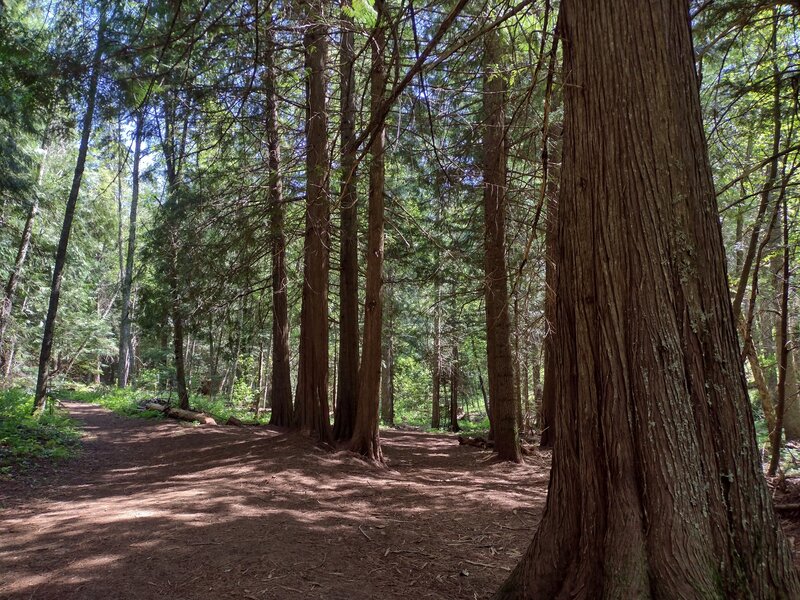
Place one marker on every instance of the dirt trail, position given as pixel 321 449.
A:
pixel 159 510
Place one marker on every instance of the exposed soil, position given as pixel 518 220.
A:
pixel 155 509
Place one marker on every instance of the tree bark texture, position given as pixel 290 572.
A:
pixel 281 383
pixel 347 380
pixel 69 215
pixel 311 413
pixel 455 373
pixel 125 355
pixel 656 489
pixel 500 361
pixel 366 439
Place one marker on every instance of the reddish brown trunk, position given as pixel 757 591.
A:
pixel 347 384
pixel 366 435
pixel 454 376
pixel 311 412
pixel 656 489
pixel 281 383
pixel 500 362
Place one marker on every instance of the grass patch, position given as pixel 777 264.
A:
pixel 125 401
pixel 129 402
pixel 221 409
pixel 26 439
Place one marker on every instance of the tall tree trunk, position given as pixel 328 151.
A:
pixel 281 384
pixel 547 406
pixel 436 402
pixel 22 252
pixel 455 374
pixel 347 380
pixel 387 368
pixel 69 215
pixel 783 345
pixel 176 311
pixel 125 354
pixel 656 489
pixel 500 361
pixel 311 412
pixel 366 435
pixel 766 191
pixel 764 393
pixel 237 350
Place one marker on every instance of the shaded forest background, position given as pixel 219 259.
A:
pixel 176 225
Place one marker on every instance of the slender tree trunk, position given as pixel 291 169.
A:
pixel 764 393
pixel 236 351
pixel 500 360
pixel 347 379
pixel 783 346
pixel 526 396
pixel 124 366
pixel 387 368
pixel 176 308
pixel 281 384
pixel 311 412
pixel 190 359
pixel 656 489
pixel 22 253
pixel 69 215
pixel 455 373
pixel 547 405
pixel 769 184
pixel 436 419
pixel 366 435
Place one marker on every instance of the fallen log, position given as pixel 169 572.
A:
pixel 155 406
pixel 190 415
pixel 478 442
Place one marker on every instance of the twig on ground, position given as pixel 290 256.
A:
pixel 488 566
pixel 365 533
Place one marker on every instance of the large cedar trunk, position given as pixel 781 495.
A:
pixel 281 384
pixel 347 383
pixel 366 435
pixel 503 401
pixel 311 413
pixel 656 489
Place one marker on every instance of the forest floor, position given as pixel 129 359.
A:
pixel 156 509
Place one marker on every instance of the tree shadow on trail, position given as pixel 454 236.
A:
pixel 157 510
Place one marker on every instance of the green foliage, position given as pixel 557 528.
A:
pixel 362 12
pixel 126 401
pixel 25 438
pixel 129 402
pixel 222 410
